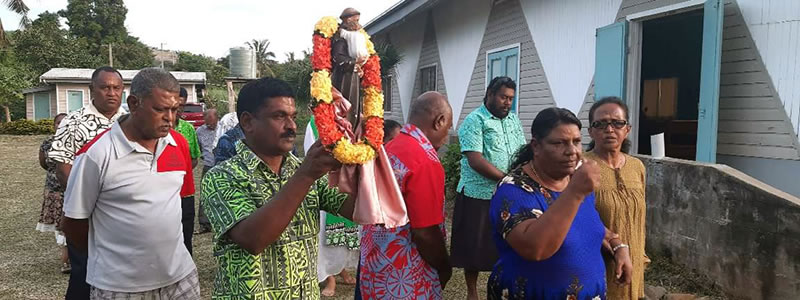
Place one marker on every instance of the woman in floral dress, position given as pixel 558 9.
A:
pixel 548 234
pixel 50 216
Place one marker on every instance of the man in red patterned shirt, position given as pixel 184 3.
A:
pixel 411 262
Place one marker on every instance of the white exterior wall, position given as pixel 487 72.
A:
pixel 566 53
pixel 775 28
pixel 567 50
pixel 459 41
pixel 407 38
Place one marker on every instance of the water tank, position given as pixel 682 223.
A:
pixel 243 63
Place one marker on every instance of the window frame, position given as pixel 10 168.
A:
pixel 49 105
pixel 83 99
pixel 430 67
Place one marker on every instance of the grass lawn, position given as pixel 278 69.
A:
pixel 29 260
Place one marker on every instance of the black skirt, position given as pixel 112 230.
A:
pixel 471 246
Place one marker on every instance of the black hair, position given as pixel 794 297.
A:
pixel 148 79
pixel 544 123
pixel 60 115
pixel 99 70
pixel 389 125
pixel 255 93
pixel 626 144
pixel 184 94
pixel 497 83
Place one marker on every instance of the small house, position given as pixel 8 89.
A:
pixel 720 78
pixel 67 90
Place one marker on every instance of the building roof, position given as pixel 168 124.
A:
pixel 85 75
pixel 396 13
pixel 41 88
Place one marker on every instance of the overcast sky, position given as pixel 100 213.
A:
pixel 211 27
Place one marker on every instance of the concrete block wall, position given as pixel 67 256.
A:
pixel 742 233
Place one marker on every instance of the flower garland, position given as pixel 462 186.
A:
pixel 345 150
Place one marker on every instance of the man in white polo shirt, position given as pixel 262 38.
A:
pixel 123 203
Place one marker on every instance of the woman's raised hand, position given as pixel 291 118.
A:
pixel 585 179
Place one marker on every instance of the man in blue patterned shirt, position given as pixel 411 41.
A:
pixel 226 146
pixel 490 137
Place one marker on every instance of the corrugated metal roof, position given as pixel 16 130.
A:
pixel 81 75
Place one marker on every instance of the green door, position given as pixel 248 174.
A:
pixel 709 81
pixel 610 58
pixel 41 106
pixel 74 100
pixel 504 63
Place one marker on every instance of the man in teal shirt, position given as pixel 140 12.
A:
pixel 187 201
pixel 490 136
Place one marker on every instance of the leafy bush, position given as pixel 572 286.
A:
pixel 27 127
pixel 217 97
pixel 451 161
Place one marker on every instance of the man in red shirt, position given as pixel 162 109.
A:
pixel 411 262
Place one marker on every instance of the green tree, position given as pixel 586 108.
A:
pixel 102 23
pixel 225 61
pixel 190 62
pixel 17 7
pixel 265 59
pixel 389 55
pixel 98 21
pixel 298 74
pixel 14 77
pixel 132 54
pixel 44 45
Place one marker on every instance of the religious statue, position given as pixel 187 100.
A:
pixel 347 109
pixel 349 53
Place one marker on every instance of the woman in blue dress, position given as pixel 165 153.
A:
pixel 549 236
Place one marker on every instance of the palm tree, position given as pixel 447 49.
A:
pixel 390 56
pixel 264 57
pixel 17 7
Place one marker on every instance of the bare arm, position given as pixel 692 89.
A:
pixel 42 159
pixel 478 163
pixel 551 228
pixel 62 173
pixel 348 207
pixel 431 246
pixel 77 232
pixel 265 225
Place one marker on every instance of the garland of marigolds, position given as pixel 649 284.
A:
pixel 345 150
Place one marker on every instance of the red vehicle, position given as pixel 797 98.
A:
pixel 193 113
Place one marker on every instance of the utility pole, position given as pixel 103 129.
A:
pixel 110 55
pixel 162 53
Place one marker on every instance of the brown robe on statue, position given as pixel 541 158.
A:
pixel 345 78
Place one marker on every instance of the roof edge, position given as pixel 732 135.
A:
pixel 37 89
pixel 396 13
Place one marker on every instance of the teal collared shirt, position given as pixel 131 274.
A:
pixel 496 139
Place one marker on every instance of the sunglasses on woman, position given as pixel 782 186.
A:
pixel 617 124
